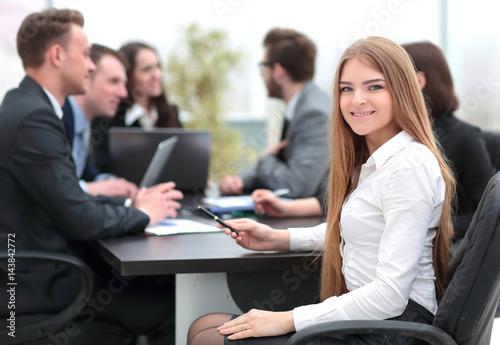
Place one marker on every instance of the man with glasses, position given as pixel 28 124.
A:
pixel 298 161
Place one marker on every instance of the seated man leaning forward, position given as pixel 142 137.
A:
pixel 41 201
pixel 105 91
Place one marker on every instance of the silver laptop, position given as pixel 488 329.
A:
pixel 160 158
pixel 131 150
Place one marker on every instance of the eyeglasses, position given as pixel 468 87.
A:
pixel 262 65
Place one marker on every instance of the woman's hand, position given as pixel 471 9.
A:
pixel 258 323
pixel 258 236
pixel 267 203
pixel 231 185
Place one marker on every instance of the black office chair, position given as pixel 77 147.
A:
pixel 466 312
pixel 492 139
pixel 42 328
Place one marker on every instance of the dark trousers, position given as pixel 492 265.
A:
pixel 138 305
pixel 120 309
pixel 414 312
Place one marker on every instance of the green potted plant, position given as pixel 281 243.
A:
pixel 198 74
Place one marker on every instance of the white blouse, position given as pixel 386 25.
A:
pixel 387 228
pixel 137 113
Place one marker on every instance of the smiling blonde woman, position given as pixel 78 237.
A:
pixel 385 243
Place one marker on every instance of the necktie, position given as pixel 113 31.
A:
pixel 80 150
pixel 285 128
pixel 281 153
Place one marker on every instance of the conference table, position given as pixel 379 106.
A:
pixel 214 274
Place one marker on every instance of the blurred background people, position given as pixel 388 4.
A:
pixel 146 105
pixel 299 160
pixel 463 144
pixel 42 203
pixel 105 92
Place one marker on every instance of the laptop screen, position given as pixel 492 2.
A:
pixel 131 150
pixel 160 158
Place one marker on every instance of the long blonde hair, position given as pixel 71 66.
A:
pixel 349 150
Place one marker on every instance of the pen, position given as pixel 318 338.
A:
pixel 214 217
pixel 280 192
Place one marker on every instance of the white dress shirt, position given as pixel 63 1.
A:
pixel 137 113
pixel 59 113
pixel 387 227
pixel 292 104
pixel 81 144
pixel 81 138
pixel 55 104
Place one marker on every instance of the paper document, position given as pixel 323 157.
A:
pixel 180 226
pixel 226 204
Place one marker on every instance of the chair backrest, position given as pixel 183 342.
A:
pixel 468 307
pixel 492 139
pixel 54 323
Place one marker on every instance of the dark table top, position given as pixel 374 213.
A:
pixel 196 253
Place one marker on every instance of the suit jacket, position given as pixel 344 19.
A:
pixel 42 203
pixel 90 171
pixel 306 155
pixel 466 149
pixel 492 139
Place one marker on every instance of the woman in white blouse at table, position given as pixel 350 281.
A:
pixel 146 105
pixel 388 226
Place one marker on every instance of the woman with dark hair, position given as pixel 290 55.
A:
pixel 146 105
pixel 386 240
pixel 463 144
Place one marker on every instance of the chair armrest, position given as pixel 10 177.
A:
pixel 429 333
pixel 57 322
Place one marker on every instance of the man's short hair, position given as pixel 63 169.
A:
pixel 292 50
pixel 97 52
pixel 40 30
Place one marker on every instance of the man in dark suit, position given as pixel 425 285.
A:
pixel 106 89
pixel 299 160
pixel 40 199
